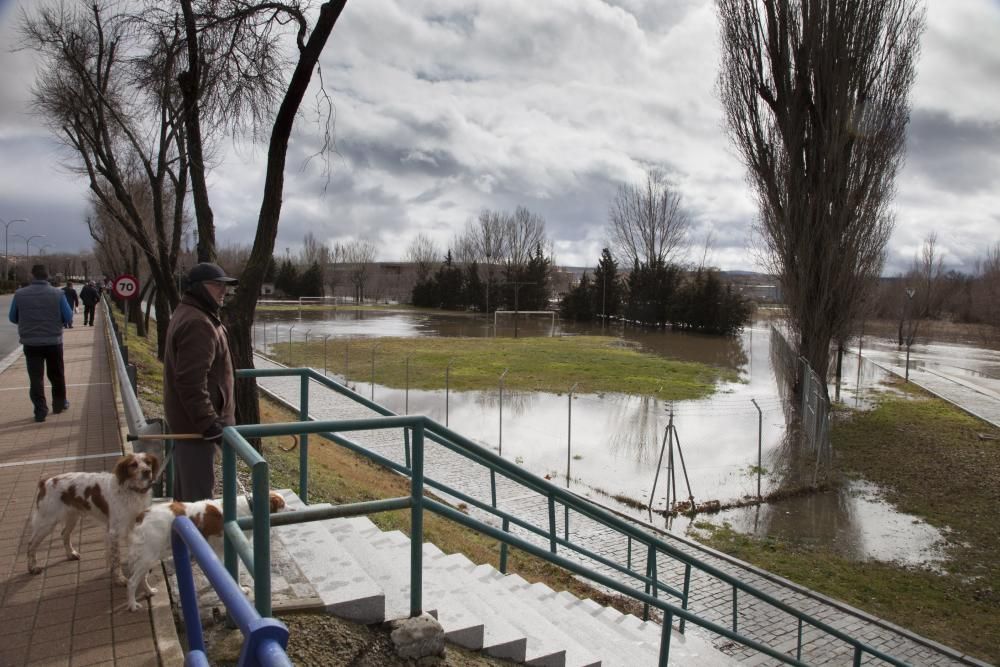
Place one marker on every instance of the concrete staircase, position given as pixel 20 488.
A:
pixel 362 573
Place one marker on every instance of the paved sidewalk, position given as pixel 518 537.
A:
pixel 71 614
pixel 710 598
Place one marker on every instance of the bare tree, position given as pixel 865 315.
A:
pixel 424 255
pixel 111 100
pixel 816 97
pixel 523 234
pixel 359 255
pixel 648 224
pixel 927 275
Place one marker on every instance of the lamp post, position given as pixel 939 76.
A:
pixel 27 244
pixel 6 260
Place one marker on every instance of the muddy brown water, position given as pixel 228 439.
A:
pixel 613 443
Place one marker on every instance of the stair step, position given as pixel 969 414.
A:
pixel 340 581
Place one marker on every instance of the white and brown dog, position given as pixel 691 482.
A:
pixel 151 537
pixel 115 498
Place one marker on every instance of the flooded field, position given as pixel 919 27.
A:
pixel 607 446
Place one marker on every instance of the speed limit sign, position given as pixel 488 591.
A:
pixel 125 287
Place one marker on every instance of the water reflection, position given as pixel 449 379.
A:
pixel 613 443
pixel 853 522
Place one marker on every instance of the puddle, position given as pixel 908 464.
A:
pixel 853 522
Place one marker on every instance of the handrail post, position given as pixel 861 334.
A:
pixel 503 547
pixel 417 522
pixel 552 524
pixel 261 538
pixel 187 591
pixel 304 438
pixel 666 632
pixel 735 603
pixel 229 506
pixel 687 589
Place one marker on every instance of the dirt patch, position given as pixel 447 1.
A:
pixel 320 640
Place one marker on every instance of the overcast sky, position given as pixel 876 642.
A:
pixel 444 107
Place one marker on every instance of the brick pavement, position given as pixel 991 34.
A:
pixel 71 614
pixel 710 598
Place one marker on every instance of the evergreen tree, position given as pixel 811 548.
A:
pixel 607 289
pixel 535 295
pixel 287 280
pixel 448 281
pixel 475 290
pixel 578 302
pixel 311 281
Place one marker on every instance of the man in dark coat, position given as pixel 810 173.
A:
pixel 89 296
pixel 198 395
pixel 40 312
pixel 71 298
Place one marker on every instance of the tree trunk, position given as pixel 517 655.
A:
pixel 240 315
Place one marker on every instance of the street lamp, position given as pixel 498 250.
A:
pixel 6 228
pixel 27 243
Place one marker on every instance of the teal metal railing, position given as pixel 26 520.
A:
pixel 644 585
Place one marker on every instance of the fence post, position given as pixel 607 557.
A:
pixel 347 358
pixel 569 431
pixel 500 446
pixel 447 390
pixel 326 339
pixel 760 428
pixel 290 329
pixel 374 348
pixel 305 354
pixel 406 404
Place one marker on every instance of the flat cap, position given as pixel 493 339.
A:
pixel 208 271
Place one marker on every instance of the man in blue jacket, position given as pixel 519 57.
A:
pixel 40 311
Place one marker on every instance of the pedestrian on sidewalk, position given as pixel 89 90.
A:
pixel 72 299
pixel 40 311
pixel 89 296
pixel 198 393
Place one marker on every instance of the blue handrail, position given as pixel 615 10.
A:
pixel 264 640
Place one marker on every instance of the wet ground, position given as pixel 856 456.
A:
pixel 612 443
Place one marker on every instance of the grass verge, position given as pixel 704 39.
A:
pixel 929 460
pixel 596 364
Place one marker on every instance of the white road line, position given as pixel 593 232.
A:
pixel 81 384
pixel 57 460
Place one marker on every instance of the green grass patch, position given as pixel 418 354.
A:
pixel 142 353
pixel 597 363
pixel 929 460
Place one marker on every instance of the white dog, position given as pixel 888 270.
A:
pixel 115 498
pixel 151 538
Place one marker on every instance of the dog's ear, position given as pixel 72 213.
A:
pixel 154 463
pixel 121 471
pixel 276 502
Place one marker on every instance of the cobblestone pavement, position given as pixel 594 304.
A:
pixel 71 613
pixel 710 598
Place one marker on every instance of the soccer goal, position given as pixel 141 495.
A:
pixel 527 316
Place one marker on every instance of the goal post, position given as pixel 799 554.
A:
pixel 518 313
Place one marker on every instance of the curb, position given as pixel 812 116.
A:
pixel 9 360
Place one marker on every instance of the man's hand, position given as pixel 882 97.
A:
pixel 214 432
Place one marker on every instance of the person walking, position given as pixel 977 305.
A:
pixel 89 296
pixel 198 394
pixel 72 299
pixel 40 311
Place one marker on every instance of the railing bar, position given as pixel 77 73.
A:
pixel 665 636
pixel 798 647
pixel 734 609
pixel 448 439
pixel 241 545
pixel 552 524
pixel 686 591
pixel 307 514
pixel 576 568
pixel 503 548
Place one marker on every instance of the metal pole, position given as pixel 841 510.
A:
pixel 305 354
pixel 126 323
pixel 417 522
pixel 290 344
pixel 347 358
pixel 406 405
pixel 374 347
pixel 502 376
pixel 569 431
pixel 447 390
pixel 659 464
pixel 907 376
pixel 760 427
pixel 326 339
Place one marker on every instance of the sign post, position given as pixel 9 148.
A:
pixel 126 288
